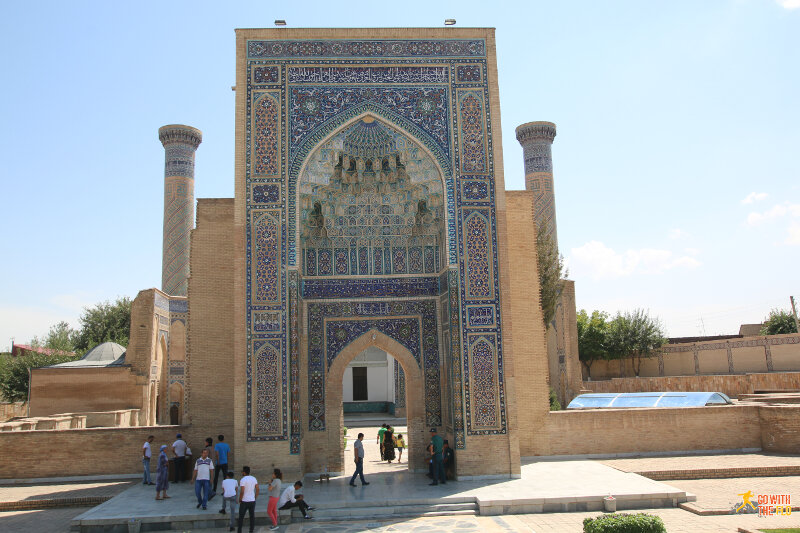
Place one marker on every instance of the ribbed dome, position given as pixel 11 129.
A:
pixel 106 354
pixel 367 138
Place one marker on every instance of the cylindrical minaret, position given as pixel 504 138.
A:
pixel 180 143
pixel 536 139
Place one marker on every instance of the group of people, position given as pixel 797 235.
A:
pixel 440 455
pixel 389 442
pixel 441 459
pixel 242 493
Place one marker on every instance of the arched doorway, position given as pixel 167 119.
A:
pixel 414 403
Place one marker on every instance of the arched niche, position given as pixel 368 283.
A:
pixel 371 202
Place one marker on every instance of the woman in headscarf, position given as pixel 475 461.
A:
pixel 162 474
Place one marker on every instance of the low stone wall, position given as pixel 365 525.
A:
pixel 611 431
pixel 780 428
pixel 109 419
pixel 760 354
pixel 12 410
pixel 733 385
pixel 80 452
pixel 773 428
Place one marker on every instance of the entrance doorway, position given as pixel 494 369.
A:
pixel 410 427
pixel 370 397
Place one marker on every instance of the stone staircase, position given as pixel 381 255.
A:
pixel 369 511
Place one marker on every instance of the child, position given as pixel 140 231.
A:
pixel 229 486
pixel 274 496
pixel 401 444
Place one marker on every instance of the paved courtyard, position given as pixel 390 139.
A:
pixel 711 494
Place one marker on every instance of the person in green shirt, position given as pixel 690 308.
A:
pixel 437 444
pixel 380 438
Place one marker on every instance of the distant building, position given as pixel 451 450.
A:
pixel 26 349
pixel 750 330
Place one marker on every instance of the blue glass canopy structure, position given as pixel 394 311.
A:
pixel 648 399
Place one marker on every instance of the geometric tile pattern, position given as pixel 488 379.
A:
pixel 434 92
pixel 334 325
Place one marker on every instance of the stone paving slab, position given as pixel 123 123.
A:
pixel 549 486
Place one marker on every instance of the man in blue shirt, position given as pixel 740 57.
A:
pixel 221 451
pixel 437 444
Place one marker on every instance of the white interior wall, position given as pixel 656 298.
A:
pixel 380 376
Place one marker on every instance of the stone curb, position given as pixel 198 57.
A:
pixel 721 473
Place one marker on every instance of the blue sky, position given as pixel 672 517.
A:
pixel 676 162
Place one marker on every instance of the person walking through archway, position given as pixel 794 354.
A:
pixel 381 431
pixel 358 453
pixel 388 444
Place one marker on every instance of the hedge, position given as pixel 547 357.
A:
pixel 624 523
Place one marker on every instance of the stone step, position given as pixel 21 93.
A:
pixel 366 512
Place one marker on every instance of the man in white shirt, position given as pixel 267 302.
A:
pixel 179 451
pixel 248 492
pixel 229 486
pixel 290 499
pixel 147 453
pixel 201 477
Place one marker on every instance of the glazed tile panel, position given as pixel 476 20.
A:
pixel 301 93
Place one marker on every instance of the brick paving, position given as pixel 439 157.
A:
pixel 679 464
pixel 722 494
pixel 675 520
pixel 19 497
pixel 40 521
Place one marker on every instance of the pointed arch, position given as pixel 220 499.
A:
pixel 343 120
pixel 415 404
pixel 350 116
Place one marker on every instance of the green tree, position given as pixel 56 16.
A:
pixel 105 322
pixel 635 335
pixel 551 272
pixel 61 337
pixel 14 373
pixel 555 405
pixel 592 338
pixel 779 321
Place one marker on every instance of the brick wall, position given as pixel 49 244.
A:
pixel 12 409
pixel 77 390
pixel 733 385
pixel 748 354
pixel 780 428
pixel 531 390
pixel 653 430
pixel 209 350
pixel 79 452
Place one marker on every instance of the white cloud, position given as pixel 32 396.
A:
pixel 777 211
pixel 598 261
pixel 789 4
pixel 676 233
pixel 793 239
pixel 754 197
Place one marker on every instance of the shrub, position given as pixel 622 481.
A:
pixel 624 523
pixel 555 405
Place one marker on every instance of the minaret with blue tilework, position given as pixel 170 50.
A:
pixel 180 143
pixel 536 139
